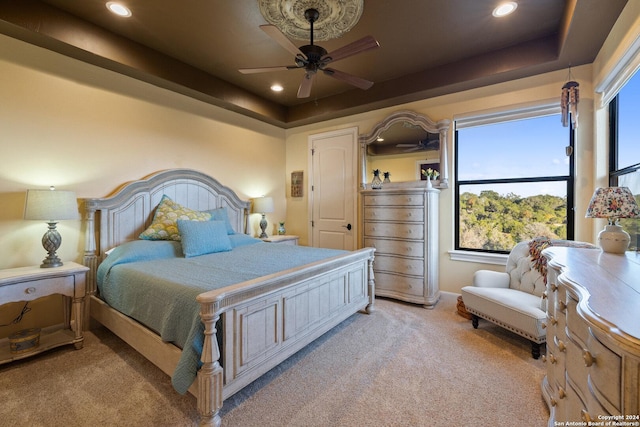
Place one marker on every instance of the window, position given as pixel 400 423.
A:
pixel 624 160
pixel 513 180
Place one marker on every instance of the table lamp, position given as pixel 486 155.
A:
pixel 613 203
pixel 263 205
pixel 51 206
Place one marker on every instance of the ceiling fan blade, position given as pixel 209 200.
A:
pixel 411 149
pixel 406 145
pixel 349 78
pixel 357 46
pixel 266 69
pixel 277 35
pixel 305 87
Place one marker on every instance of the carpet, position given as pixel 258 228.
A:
pixel 403 365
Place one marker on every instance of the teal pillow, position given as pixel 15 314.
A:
pixel 220 214
pixel 203 237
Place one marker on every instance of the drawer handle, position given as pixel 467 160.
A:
pixel 562 346
pixel 585 416
pixel 30 290
pixel 553 359
pixel 562 305
pixel 553 320
pixel 561 393
pixel 544 295
pixel 589 358
pixel 554 287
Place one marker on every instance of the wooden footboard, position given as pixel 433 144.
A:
pixel 268 319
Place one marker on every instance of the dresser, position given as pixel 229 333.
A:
pixel 593 337
pixel 402 225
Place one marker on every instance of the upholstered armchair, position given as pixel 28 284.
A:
pixel 515 299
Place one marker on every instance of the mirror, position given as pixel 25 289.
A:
pixel 408 142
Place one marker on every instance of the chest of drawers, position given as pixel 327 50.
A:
pixel 593 336
pixel 402 224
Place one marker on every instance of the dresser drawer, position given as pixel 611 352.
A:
pixel 605 367
pixel 396 247
pixel 34 289
pixel 390 285
pixel 394 214
pixel 394 200
pixel 392 264
pixel 400 231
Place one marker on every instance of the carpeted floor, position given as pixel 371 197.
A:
pixel 401 366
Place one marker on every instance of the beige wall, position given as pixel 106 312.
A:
pixel 72 125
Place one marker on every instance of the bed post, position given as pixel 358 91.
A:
pixel 90 257
pixel 210 374
pixel 371 286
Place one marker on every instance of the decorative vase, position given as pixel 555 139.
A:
pixel 376 183
pixel 281 229
pixel 429 184
pixel 386 178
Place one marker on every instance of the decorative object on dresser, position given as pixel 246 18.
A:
pixel 613 203
pixel 263 205
pixel 389 137
pixel 593 337
pixel 515 299
pixel 51 206
pixel 31 283
pixel 376 182
pixel 402 225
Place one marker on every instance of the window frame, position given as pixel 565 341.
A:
pixel 522 113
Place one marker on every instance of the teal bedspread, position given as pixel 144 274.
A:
pixel 152 282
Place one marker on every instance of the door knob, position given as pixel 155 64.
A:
pixel 348 227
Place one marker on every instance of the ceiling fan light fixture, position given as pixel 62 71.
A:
pixel 505 9
pixel 118 9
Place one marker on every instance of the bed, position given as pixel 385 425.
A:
pixel 245 328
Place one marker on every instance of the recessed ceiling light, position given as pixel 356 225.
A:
pixel 505 9
pixel 277 88
pixel 119 9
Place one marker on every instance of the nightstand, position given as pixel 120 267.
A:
pixel 31 283
pixel 285 239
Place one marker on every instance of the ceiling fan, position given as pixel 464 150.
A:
pixel 424 144
pixel 313 57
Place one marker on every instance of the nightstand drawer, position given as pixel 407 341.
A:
pixel 34 289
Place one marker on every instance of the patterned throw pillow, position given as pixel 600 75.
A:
pixel 164 225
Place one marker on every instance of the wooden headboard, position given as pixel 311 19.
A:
pixel 125 214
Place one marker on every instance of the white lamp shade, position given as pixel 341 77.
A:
pixel 51 205
pixel 263 205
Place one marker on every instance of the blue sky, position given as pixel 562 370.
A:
pixel 536 147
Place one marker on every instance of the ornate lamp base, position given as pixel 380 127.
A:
pixel 613 239
pixel 51 242
pixel 263 227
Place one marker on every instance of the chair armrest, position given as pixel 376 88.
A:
pixel 491 279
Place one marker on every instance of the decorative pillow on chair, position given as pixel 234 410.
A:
pixel 203 237
pixel 164 225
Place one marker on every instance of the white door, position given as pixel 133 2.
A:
pixel 333 189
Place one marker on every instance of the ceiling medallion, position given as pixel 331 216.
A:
pixel 336 17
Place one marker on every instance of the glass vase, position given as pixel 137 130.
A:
pixel 376 183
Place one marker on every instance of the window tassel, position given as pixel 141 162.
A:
pixel 569 103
